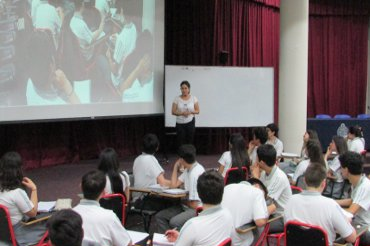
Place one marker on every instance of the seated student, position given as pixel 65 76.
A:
pixel 272 134
pixel 314 154
pixel 359 204
pixel 275 180
pixel 237 156
pixel 312 208
pixel 335 182
pixel 259 138
pixel 246 203
pixel 100 225
pixel 355 143
pixel 214 224
pixel 14 197
pixel 117 182
pixel 176 216
pixel 147 172
pixel 65 228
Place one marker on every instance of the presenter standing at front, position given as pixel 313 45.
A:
pixel 185 107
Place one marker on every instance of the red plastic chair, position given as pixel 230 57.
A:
pixel 226 242
pixel 198 210
pixel 263 237
pixel 298 233
pixel 229 176
pixel 115 202
pixel 296 189
pixel 7 235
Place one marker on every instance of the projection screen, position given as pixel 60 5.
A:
pixel 80 58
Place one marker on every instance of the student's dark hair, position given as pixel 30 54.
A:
pixel 314 151
pixel 261 134
pixel 239 154
pixel 187 152
pixel 355 130
pixel 312 134
pixel 274 128
pixel 93 184
pixel 253 181
pixel 314 174
pixel 11 174
pixel 109 164
pixel 40 56
pixel 267 154
pixel 78 4
pixel 65 228
pixel 185 82
pixel 210 187
pixel 150 143
pixel 353 161
pixel 340 144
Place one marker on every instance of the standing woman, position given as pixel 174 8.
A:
pixel 14 197
pixel 185 107
pixel 116 182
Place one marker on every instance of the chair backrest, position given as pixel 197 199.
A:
pixel 7 236
pixel 232 175
pixel 342 116
pixel 300 182
pixel 263 236
pixel 117 203
pixel 296 189
pixel 226 242
pixel 198 210
pixel 363 116
pixel 298 233
pixel 323 116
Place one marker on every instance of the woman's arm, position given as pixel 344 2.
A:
pixel 221 169
pixel 174 110
pixel 31 185
pixel 196 108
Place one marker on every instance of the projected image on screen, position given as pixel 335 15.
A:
pixel 61 52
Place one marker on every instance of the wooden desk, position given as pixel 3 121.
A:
pixel 251 226
pixel 162 194
pixel 360 229
pixel 40 217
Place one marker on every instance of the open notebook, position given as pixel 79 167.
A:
pixel 161 240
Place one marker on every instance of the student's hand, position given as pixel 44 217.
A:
pixel 29 184
pixel 251 145
pixel 172 235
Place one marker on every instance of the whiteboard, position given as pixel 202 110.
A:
pixel 228 96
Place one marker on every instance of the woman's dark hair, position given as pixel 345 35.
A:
pixel 274 128
pixel 356 131
pixel 314 152
pixel 239 154
pixel 185 82
pixel 340 144
pixel 11 174
pixel 312 134
pixel 108 164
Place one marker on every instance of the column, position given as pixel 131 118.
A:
pixel 293 67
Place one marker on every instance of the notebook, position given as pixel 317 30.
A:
pixel 161 240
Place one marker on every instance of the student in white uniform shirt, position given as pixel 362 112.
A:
pixel 312 208
pixel 246 203
pixel 259 138
pixel 176 216
pixel 117 182
pixel 147 172
pixel 100 225
pixel 359 204
pixel 237 156
pixel 214 224
pixel 272 134
pixel 275 180
pixel 355 143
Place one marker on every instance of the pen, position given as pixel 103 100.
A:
pixel 174 229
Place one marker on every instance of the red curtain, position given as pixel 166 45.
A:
pixel 337 72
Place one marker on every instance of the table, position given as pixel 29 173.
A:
pixel 327 128
pixel 251 226
pixel 38 218
pixel 162 194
